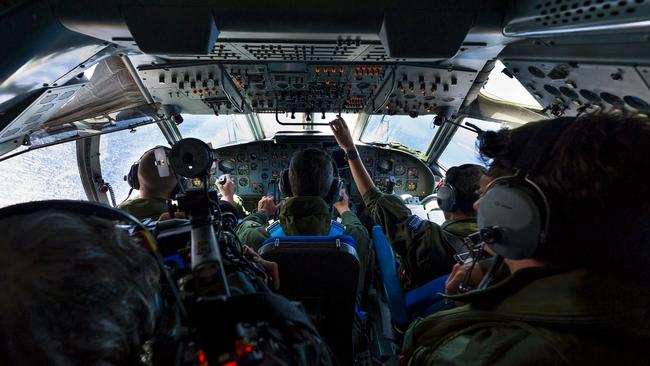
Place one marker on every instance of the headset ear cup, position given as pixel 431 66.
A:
pixel 446 197
pixel 510 211
pixel 334 193
pixel 285 186
pixel 132 177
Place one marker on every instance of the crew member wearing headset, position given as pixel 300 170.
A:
pixel 154 189
pixel 311 188
pixel 426 249
pixel 570 221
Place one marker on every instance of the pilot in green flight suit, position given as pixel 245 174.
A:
pixel 425 253
pixel 154 190
pixel 307 213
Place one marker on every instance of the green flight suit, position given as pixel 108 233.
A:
pixel 536 317
pixel 145 208
pixel 425 254
pixel 152 208
pixel 306 216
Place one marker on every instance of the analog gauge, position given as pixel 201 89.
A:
pixel 253 166
pixel 227 165
pixel 384 166
pixel 412 186
pixel 243 181
pixel 243 169
pixel 398 183
pixel 368 162
pixel 265 176
pixel 241 157
pixel 413 173
pixel 400 169
pixel 253 156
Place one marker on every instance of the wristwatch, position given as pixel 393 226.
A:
pixel 352 155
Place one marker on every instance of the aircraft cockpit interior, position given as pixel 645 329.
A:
pixel 234 90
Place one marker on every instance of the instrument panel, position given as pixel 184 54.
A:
pixel 312 87
pixel 257 166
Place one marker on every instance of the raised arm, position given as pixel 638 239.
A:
pixel 344 138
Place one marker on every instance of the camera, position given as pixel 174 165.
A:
pixel 232 316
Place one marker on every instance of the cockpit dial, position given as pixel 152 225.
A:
pixel 400 169
pixel 227 165
pixel 384 166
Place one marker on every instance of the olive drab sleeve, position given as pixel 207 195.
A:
pixel 252 231
pixel 419 242
pixel 356 230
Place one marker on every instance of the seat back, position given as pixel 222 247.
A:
pixel 322 272
pixel 390 278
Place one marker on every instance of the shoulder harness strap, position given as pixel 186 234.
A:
pixel 276 231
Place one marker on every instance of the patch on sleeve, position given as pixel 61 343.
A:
pixel 414 223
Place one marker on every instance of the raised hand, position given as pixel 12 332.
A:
pixel 342 134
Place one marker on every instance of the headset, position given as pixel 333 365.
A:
pixel 514 214
pixel 446 193
pixel 334 193
pixel 132 179
pixel 132 176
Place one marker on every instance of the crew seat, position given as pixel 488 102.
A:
pixel 419 302
pixel 322 272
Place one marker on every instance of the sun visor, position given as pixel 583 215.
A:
pixel 514 115
pixel 111 88
pixel 425 34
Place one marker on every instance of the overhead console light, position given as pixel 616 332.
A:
pixel 544 18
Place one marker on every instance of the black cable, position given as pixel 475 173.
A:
pixel 466 285
pixel 112 194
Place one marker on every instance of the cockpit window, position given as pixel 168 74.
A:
pixel 119 150
pixel 271 126
pixel 414 133
pixel 47 173
pixel 503 88
pixel 462 148
pixel 217 130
